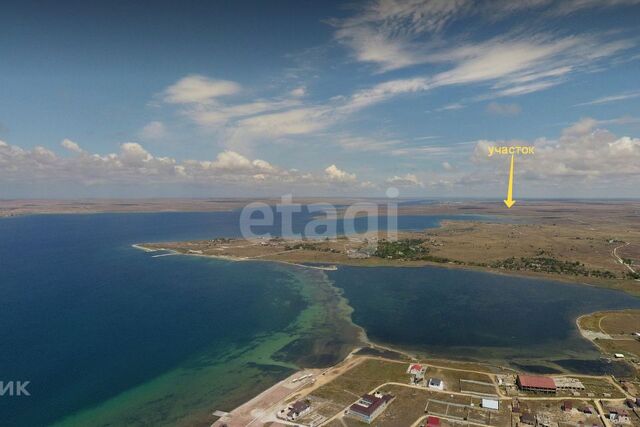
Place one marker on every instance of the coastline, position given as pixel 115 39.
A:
pixel 334 265
pixel 140 246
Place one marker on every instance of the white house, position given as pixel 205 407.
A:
pixel 490 404
pixel 436 383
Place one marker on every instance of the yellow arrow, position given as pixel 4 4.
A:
pixel 510 202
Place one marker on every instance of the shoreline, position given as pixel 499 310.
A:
pixel 140 246
pixel 334 265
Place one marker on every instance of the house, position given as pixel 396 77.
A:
pixel 432 421
pixel 618 355
pixel 537 384
pixel 436 383
pixel 417 372
pixel 369 406
pixel 295 410
pixel 415 368
pixel 567 406
pixel 490 404
pixel 587 409
pixel 298 409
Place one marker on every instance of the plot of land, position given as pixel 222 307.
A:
pixel 614 331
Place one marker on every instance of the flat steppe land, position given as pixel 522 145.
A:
pixel 613 332
pixel 595 243
pixel 17 207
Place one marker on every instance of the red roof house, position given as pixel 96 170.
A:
pixel 433 421
pixel 536 383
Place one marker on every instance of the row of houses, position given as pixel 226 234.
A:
pixel 541 384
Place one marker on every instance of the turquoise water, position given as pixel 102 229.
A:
pixel 109 335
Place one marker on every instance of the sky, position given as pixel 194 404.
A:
pixel 319 98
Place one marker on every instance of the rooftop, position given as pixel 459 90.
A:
pixel 536 382
pixel 368 404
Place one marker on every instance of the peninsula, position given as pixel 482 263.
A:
pixel 595 243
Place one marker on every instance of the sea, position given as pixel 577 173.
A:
pixel 109 335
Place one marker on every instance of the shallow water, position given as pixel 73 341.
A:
pixel 86 318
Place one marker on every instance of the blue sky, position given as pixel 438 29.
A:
pixel 319 98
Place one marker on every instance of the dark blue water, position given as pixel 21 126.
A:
pixel 458 313
pixel 83 316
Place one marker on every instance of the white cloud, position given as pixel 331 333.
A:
pixel 71 146
pixel 384 32
pixel 503 109
pixel 290 122
pixel 360 143
pixel 133 166
pixel 451 107
pixel 447 166
pixel 581 127
pixel 370 46
pixel 218 115
pixel 153 130
pixel 382 92
pixel 334 174
pixel 611 98
pixel 528 88
pixel 298 92
pixel 433 150
pixel 582 151
pixel 408 180
pixel 509 65
pixel 394 34
pixel 498 58
pixel 567 7
pixel 197 89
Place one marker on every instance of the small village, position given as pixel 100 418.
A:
pixel 366 390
